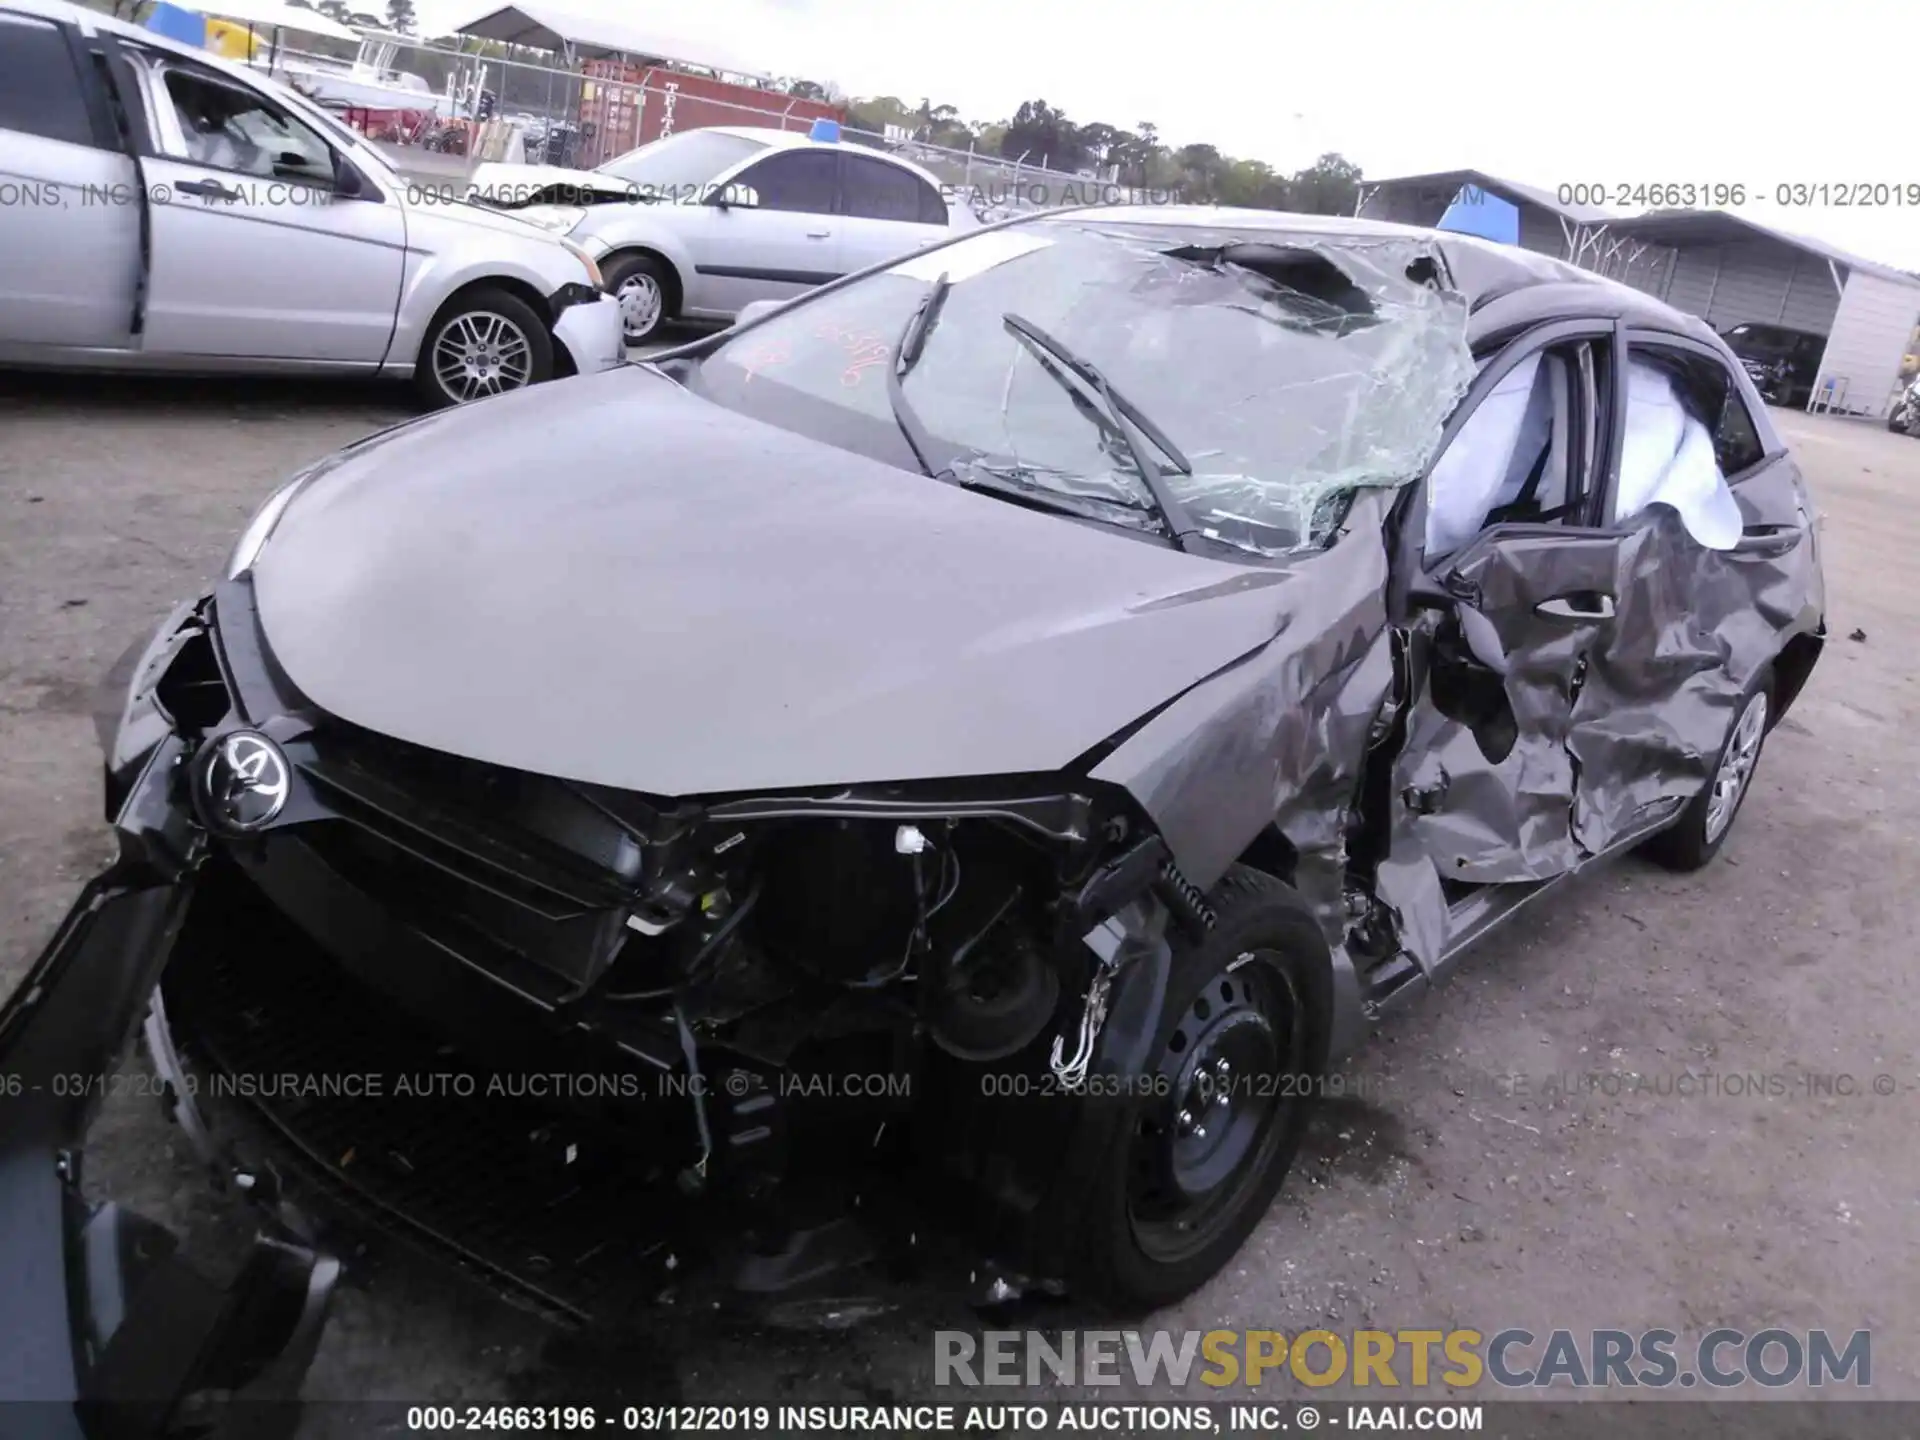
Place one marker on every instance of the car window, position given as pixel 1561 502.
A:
pixel 875 190
pixel 802 180
pixel 1671 453
pixel 40 91
pixel 1736 439
pixel 682 161
pixel 1523 454
pixel 229 128
pixel 933 205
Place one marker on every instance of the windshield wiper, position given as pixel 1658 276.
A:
pixel 1013 482
pixel 906 354
pixel 1135 429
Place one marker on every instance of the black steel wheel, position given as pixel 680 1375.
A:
pixel 1211 1138
pixel 1185 1163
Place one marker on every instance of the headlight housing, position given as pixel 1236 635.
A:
pixel 593 265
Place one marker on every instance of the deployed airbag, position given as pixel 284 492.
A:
pixel 1668 459
pixel 1487 462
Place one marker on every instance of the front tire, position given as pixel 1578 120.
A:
pixel 1696 837
pixel 1180 1175
pixel 486 342
pixel 641 285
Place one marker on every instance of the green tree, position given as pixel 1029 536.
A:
pixel 1136 153
pixel 876 112
pixel 1102 143
pixel 1253 185
pixel 1329 186
pixel 987 138
pixel 1044 136
pixel 1201 167
pixel 400 16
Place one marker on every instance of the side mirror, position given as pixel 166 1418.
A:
pixel 347 184
pixel 727 197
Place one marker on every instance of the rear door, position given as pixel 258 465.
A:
pixel 886 211
pixel 255 254
pixel 1512 582
pixel 780 247
pixel 69 202
pixel 1716 533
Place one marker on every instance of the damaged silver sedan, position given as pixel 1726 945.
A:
pixel 937 771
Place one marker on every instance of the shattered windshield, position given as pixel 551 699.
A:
pixel 1285 370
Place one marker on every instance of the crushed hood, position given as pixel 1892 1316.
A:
pixel 510 186
pixel 612 580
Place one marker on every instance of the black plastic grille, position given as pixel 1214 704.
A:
pixel 462 844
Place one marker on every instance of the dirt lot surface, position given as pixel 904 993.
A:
pixel 1453 1190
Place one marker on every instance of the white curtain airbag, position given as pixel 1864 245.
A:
pixel 1514 420
pixel 1668 459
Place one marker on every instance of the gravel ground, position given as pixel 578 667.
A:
pixel 1433 1199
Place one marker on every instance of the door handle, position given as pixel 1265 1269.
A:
pixel 1767 540
pixel 819 234
pixel 211 189
pixel 1576 607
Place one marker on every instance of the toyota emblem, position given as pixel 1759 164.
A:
pixel 246 781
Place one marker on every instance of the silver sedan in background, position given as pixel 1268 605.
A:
pixel 166 209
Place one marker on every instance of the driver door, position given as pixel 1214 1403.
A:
pixel 1512 587
pixel 255 254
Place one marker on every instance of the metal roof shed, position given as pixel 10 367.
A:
pixel 1729 270
pixel 1567 232
pixel 600 37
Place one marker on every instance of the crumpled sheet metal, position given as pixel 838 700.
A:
pixel 1655 710
pixel 1534 784
pixel 1367 386
pixel 1651 704
pixel 1280 738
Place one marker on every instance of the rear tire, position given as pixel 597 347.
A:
pixel 485 342
pixel 1696 837
pixel 1179 1176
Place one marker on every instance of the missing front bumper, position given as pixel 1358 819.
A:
pixel 101 1320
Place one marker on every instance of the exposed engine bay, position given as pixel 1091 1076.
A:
pixel 755 1015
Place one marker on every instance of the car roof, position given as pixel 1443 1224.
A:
pixel 777 139
pixel 1530 287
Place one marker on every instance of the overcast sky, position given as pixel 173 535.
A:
pixel 1544 92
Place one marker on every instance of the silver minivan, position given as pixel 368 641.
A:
pixel 163 208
